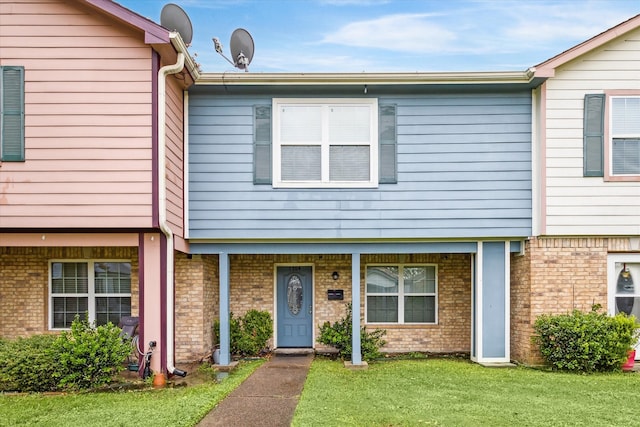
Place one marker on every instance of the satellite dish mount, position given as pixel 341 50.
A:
pixel 242 48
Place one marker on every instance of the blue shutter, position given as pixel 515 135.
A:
pixel 262 144
pixel 387 142
pixel 12 114
pixel 594 135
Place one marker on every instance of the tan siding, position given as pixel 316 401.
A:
pixel 88 122
pixel 577 205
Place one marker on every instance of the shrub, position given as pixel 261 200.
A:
pixel 28 364
pixel 248 334
pixel 339 336
pixel 89 356
pixel 586 342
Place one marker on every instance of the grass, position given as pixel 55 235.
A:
pixel 436 392
pixel 428 392
pixel 179 406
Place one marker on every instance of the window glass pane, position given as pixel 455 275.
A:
pixel 382 279
pixel 349 123
pixel 301 123
pixel 382 309
pixel 349 163
pixel 626 156
pixel 419 309
pixel 69 278
pixel 301 163
pixel 419 280
pixel 65 310
pixel 112 277
pixel 625 116
pixel 111 309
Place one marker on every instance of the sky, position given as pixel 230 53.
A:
pixel 308 36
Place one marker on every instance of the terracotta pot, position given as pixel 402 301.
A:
pixel 628 365
pixel 159 380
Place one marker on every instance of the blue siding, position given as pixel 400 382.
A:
pixel 464 171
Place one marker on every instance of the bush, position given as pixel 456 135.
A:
pixel 586 342
pixel 89 356
pixel 249 334
pixel 339 336
pixel 28 364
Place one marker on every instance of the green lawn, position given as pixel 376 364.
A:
pixel 438 392
pixel 180 406
pixel 431 392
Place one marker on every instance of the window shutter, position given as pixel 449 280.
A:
pixel 12 114
pixel 387 140
pixel 262 144
pixel 594 135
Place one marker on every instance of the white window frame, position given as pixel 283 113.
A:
pixel 91 295
pixel 611 136
pixel 400 294
pixel 614 262
pixel 325 103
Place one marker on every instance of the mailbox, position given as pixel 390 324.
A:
pixel 335 294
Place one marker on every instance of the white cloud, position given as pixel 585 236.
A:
pixel 402 32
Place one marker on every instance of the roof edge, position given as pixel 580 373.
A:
pixel 153 33
pixel 547 68
pixel 275 79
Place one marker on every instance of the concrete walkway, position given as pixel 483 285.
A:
pixel 268 398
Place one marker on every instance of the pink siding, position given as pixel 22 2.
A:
pixel 88 121
pixel 175 160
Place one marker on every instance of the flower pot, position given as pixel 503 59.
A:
pixel 628 365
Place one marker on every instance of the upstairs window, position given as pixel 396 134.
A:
pixel 625 135
pixel 620 140
pixel 325 143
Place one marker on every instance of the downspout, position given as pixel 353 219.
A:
pixel 162 208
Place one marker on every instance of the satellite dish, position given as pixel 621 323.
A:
pixel 242 48
pixel 173 18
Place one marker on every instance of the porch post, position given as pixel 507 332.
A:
pixel 225 341
pixel 356 356
pixel 492 304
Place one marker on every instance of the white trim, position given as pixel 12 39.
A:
pixel 275 298
pixel 478 311
pixel 612 279
pixel 277 103
pixel 611 136
pixel 91 294
pixel 507 301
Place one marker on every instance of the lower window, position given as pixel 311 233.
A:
pixel 401 294
pixel 100 290
pixel 625 286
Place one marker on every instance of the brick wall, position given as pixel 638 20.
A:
pixel 24 284
pixel 252 287
pixel 196 287
pixel 555 276
pixel 452 333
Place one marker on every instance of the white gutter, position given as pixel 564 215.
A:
pixel 417 78
pixel 162 207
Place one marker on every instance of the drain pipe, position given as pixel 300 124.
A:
pixel 162 207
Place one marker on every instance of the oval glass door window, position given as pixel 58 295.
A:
pixel 294 294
